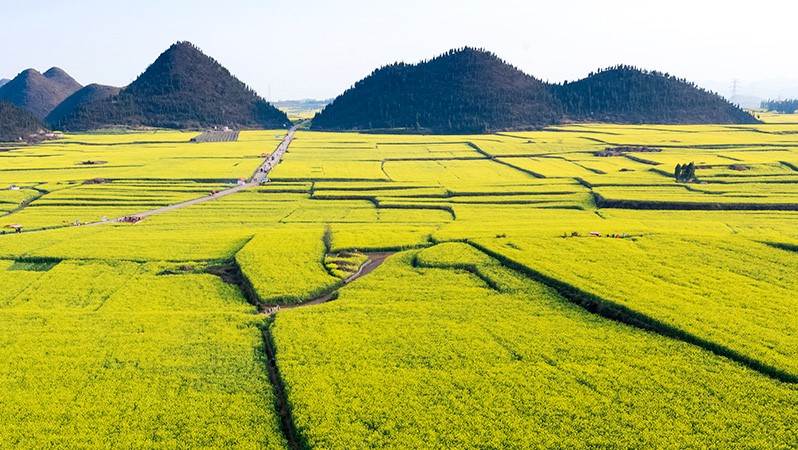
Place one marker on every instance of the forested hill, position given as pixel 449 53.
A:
pixel 183 88
pixel 87 94
pixel 473 91
pixel 463 91
pixel 39 93
pixel 788 106
pixel 16 123
pixel 625 94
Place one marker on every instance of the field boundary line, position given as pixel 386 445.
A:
pixel 623 314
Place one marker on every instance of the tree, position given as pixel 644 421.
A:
pixel 690 175
pixel 677 173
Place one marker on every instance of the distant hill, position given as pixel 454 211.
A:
pixel 787 106
pixel 183 88
pixel 625 94
pixel 39 93
pixel 301 109
pixel 16 123
pixel 462 91
pixel 88 94
pixel 3 81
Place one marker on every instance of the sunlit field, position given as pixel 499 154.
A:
pixel 555 288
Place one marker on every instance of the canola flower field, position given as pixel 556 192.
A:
pixel 550 289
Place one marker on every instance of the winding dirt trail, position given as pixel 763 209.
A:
pixel 374 261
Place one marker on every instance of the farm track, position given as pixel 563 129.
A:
pixel 254 181
pixel 375 259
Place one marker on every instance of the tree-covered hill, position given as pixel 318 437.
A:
pixel 625 94
pixel 16 123
pixel 87 94
pixel 788 106
pixel 183 88
pixel 473 91
pixel 462 91
pixel 39 93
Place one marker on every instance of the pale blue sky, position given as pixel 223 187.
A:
pixel 315 48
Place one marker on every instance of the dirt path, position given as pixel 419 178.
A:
pixel 374 261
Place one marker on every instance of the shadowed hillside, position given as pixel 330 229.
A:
pixel 473 91
pixel 16 123
pixel 183 88
pixel 39 93
pixel 462 91
pixel 90 93
pixel 626 94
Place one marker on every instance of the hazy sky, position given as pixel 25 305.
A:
pixel 313 48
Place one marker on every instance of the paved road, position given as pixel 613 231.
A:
pixel 260 174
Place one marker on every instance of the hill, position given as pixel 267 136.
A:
pixel 39 93
pixel 625 94
pixel 462 91
pixel 3 81
pixel 183 88
pixel 301 109
pixel 86 95
pixel 16 123
pixel 787 106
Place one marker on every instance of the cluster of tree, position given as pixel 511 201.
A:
pixel 183 88
pixel 17 123
pixel 685 173
pixel 788 106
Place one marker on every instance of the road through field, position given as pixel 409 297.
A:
pixel 257 178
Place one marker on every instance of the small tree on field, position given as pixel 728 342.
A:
pixel 685 173
pixel 327 238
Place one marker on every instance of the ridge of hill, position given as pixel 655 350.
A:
pixel 39 93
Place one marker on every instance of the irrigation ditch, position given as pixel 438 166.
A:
pixel 230 272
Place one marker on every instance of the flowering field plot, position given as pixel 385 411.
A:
pixel 699 136
pixel 731 292
pixel 131 137
pixel 718 194
pixel 478 342
pixel 420 357
pixel 73 162
pixel 287 266
pixel 455 173
pixel 97 354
